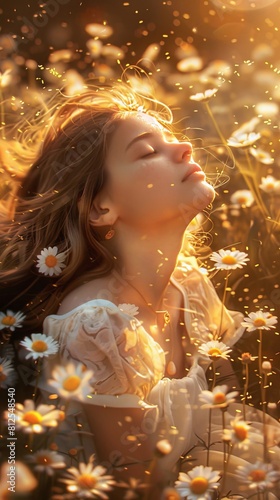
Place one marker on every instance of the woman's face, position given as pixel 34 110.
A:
pixel 151 177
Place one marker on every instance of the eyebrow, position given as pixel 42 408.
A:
pixel 138 138
pixel 145 135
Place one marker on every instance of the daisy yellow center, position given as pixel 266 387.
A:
pixel 257 475
pixel 242 200
pixel 51 261
pixel 270 185
pixel 259 322
pixel 61 416
pixel 39 346
pixel 214 351
pixel 241 432
pixel 229 260
pixel 8 320
pixel 87 481
pixel 219 398
pixel 32 417
pixel 71 383
pixel 199 485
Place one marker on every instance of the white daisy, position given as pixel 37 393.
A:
pixel 239 434
pixel 243 140
pixel 204 96
pixel 35 419
pixel 11 320
pixel 242 197
pixel 94 47
pixel 261 155
pixel 267 109
pixel 229 259
pixel 72 381
pixel 214 349
pixel 199 483
pixel 5 78
pixel 46 461
pixel 247 127
pixel 189 64
pixel 96 30
pixel 130 309
pixel 270 185
pixel 7 373
pixel 259 321
pixel 170 493
pixel 88 481
pixel 259 476
pixel 163 447
pixel 50 262
pixel 132 488
pixel 218 397
pixel 39 345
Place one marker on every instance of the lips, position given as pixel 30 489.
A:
pixel 193 168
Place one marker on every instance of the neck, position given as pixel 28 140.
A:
pixel 146 260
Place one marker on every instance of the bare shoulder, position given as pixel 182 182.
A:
pixel 95 289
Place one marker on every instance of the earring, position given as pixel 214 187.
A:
pixel 110 234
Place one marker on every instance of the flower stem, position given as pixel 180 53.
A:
pixel 214 374
pixel 226 463
pixel 263 383
pixel 224 426
pixel 246 385
pixel 263 398
pixel 223 303
pixel 209 437
pixel 260 354
pixel 217 128
pixel 30 442
pixel 39 365
pixel 2 116
pixel 151 472
pixel 255 186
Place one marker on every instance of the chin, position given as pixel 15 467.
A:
pixel 211 192
pixel 203 195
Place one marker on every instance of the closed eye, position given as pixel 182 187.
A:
pixel 150 153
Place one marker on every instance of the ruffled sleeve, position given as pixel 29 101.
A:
pixel 123 357
pixel 204 311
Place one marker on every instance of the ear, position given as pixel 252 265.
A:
pixel 102 212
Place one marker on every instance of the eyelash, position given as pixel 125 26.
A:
pixel 149 154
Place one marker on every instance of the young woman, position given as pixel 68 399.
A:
pixel 114 189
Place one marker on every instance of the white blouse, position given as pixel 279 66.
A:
pixel 129 365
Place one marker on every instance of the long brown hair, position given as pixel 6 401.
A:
pixel 53 202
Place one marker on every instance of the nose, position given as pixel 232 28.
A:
pixel 182 151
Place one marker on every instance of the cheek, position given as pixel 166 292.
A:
pixel 145 182
pixel 143 196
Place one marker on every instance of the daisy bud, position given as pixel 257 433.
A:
pixel 170 494
pixel 266 367
pixel 163 447
pixel 73 452
pixel 272 406
pixel 246 358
